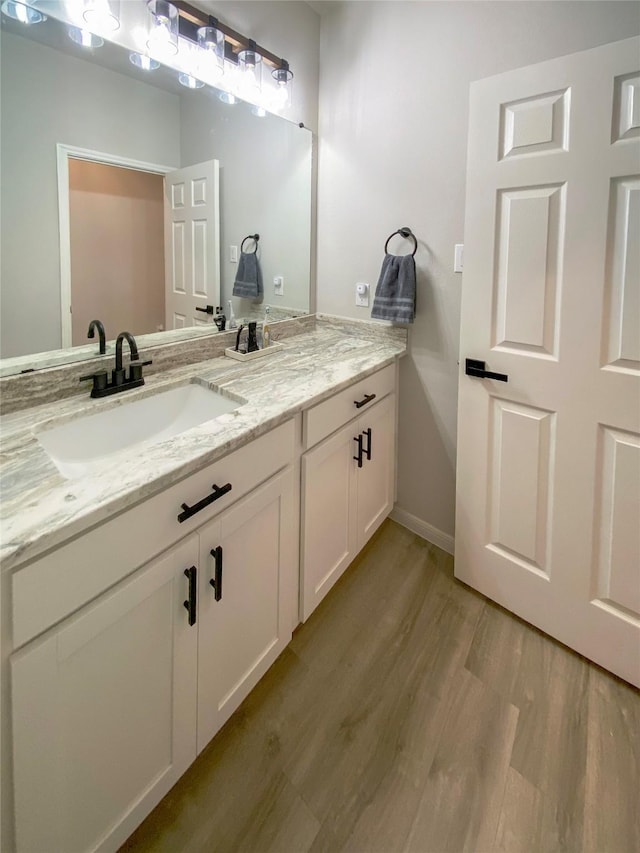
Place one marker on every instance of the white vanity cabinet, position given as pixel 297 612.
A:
pixel 104 712
pixel 114 702
pixel 348 480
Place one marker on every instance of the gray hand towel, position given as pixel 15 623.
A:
pixel 248 281
pixel 395 297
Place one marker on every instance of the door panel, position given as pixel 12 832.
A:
pixel 548 494
pixel 192 228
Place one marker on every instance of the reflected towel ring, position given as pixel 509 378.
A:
pixel 406 233
pixel 255 238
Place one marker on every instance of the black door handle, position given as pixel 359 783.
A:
pixel 367 449
pixel 208 310
pixel 216 581
pixel 473 367
pixel 191 602
pixel 358 458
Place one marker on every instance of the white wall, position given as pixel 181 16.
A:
pixel 394 89
pixel 48 98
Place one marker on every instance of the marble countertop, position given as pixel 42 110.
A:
pixel 40 509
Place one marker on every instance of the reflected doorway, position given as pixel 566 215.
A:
pixel 117 255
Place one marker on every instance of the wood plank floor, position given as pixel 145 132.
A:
pixel 411 714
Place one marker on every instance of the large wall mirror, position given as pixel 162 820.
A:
pixel 90 145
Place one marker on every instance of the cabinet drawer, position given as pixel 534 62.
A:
pixel 331 414
pixel 52 587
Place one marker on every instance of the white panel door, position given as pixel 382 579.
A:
pixel 104 712
pixel 244 615
pixel 548 482
pixel 192 244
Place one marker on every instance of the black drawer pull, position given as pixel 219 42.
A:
pixel 191 602
pixel 188 511
pixel 367 449
pixel 216 581
pixel 358 458
pixel 366 399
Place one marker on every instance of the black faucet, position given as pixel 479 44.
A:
pixel 96 324
pixel 119 379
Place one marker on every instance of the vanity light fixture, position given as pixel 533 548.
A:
pixel 85 38
pixel 21 12
pixel 250 66
pixel 211 44
pixel 163 33
pixel 144 62
pixel 189 82
pixel 102 16
pixel 283 77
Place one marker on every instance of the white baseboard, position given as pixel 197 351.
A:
pixel 421 528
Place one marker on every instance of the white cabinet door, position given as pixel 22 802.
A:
pixel 376 478
pixel 244 621
pixel 344 503
pixel 104 712
pixel 328 502
pixel 548 478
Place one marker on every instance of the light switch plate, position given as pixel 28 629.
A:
pixel 458 257
pixel 362 294
pixel 233 254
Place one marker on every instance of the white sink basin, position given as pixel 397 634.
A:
pixel 83 445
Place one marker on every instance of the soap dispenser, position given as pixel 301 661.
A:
pixel 232 316
pixel 266 328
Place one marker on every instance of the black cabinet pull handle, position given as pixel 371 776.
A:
pixel 366 399
pixel 188 511
pixel 367 449
pixel 216 581
pixel 191 602
pixel 358 458
pixel 473 367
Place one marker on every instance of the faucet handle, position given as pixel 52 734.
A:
pixel 135 369
pixel 99 381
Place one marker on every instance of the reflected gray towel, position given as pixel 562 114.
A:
pixel 395 297
pixel 248 281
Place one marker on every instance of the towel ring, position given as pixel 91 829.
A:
pixel 255 238
pixel 406 233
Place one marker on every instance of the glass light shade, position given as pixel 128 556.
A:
pixel 189 81
pixel 102 16
pixel 21 12
pixel 227 98
pixel 163 33
pixel 141 60
pixel 258 111
pixel 211 58
pixel 85 38
pixel 283 78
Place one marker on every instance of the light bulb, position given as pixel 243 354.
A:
pixel 146 63
pixel 20 12
pixel 100 16
pixel 258 111
pixel 163 35
pixel 84 38
pixel 189 81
